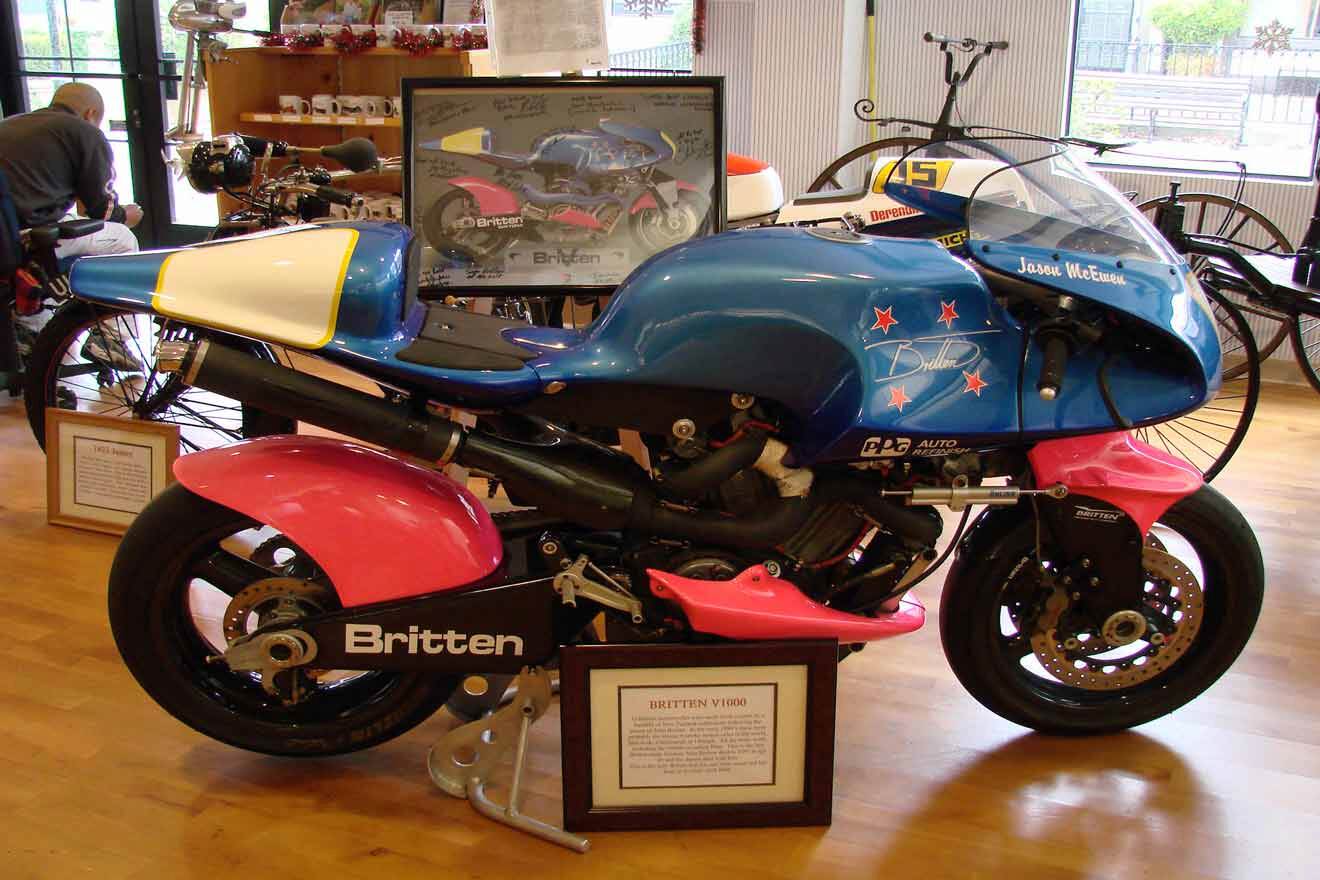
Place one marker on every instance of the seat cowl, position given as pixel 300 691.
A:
pixel 124 280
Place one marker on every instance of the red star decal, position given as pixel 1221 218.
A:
pixel 947 313
pixel 898 397
pixel 974 382
pixel 884 319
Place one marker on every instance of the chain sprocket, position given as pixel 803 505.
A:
pixel 1172 593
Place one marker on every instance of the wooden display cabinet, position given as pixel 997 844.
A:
pixel 245 86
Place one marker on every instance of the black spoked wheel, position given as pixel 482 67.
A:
pixel 192 576
pixel 1030 652
pixel 103 362
pixel 1306 345
pixel 452 227
pixel 868 155
pixel 1207 438
pixel 1213 214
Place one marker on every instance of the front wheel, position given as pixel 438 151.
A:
pixel 1204 583
pixel 190 577
pixel 655 229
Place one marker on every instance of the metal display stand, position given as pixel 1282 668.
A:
pixel 462 761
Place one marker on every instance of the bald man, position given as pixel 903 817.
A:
pixel 54 156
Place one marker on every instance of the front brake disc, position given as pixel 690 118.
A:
pixel 1172 591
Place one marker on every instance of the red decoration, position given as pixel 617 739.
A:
pixel 699 26
pixel 947 313
pixel 477 12
pixel 350 43
pixel 419 43
pixel 294 41
pixel 898 397
pixel 974 382
pixel 884 319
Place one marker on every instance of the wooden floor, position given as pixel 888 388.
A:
pixel 96 781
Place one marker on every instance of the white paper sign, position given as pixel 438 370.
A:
pixel 536 36
pixel 705 735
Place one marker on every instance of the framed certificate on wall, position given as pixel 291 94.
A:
pixel 684 736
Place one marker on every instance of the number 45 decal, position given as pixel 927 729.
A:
pixel 929 173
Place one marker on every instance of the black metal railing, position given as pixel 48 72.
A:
pixel 1280 86
pixel 667 58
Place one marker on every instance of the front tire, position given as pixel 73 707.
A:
pixel 989 659
pixel 176 569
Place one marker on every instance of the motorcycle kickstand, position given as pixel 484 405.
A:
pixel 461 762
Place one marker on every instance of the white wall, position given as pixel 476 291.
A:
pixel 792 69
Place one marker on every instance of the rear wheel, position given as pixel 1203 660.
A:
pixel 1028 655
pixel 190 576
pixel 103 363
pixel 450 227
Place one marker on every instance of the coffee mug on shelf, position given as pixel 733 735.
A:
pixel 325 105
pixel 375 105
pixel 397 102
pixel 295 105
pixel 351 105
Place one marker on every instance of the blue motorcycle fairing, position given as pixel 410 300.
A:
pixel 1163 384
pixel 844 331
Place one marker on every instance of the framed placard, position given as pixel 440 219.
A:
pixel 697 736
pixel 535 182
pixel 101 471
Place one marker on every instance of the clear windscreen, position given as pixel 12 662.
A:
pixel 1026 191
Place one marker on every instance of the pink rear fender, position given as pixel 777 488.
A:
pixel 491 197
pixel 381 528
pixel 1118 468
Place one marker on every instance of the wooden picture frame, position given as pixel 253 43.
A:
pixel 111 457
pixel 593 679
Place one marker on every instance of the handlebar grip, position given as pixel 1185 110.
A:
pixel 1055 362
pixel 997 44
pixel 337 196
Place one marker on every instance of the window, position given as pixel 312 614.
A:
pixel 1195 81
pixel 656 42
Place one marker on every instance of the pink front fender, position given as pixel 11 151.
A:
pixel 1118 468
pixel 491 197
pixel 380 528
pixel 646 200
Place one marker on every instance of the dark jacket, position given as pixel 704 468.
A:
pixel 53 156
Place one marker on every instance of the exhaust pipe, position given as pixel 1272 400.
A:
pixel 577 481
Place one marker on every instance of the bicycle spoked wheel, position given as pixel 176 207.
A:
pixel 1213 214
pixel 103 363
pixel 868 154
pixel 1306 346
pixel 1207 438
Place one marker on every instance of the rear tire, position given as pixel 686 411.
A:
pixel 157 636
pixel 1232 583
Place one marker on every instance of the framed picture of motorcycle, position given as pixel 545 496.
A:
pixel 558 183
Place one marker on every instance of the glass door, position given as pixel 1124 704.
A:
pixel 129 52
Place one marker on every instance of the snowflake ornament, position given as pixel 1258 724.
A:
pixel 646 8
pixel 1273 37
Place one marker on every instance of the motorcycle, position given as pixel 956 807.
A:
pixel 309 595
pixel 591 177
